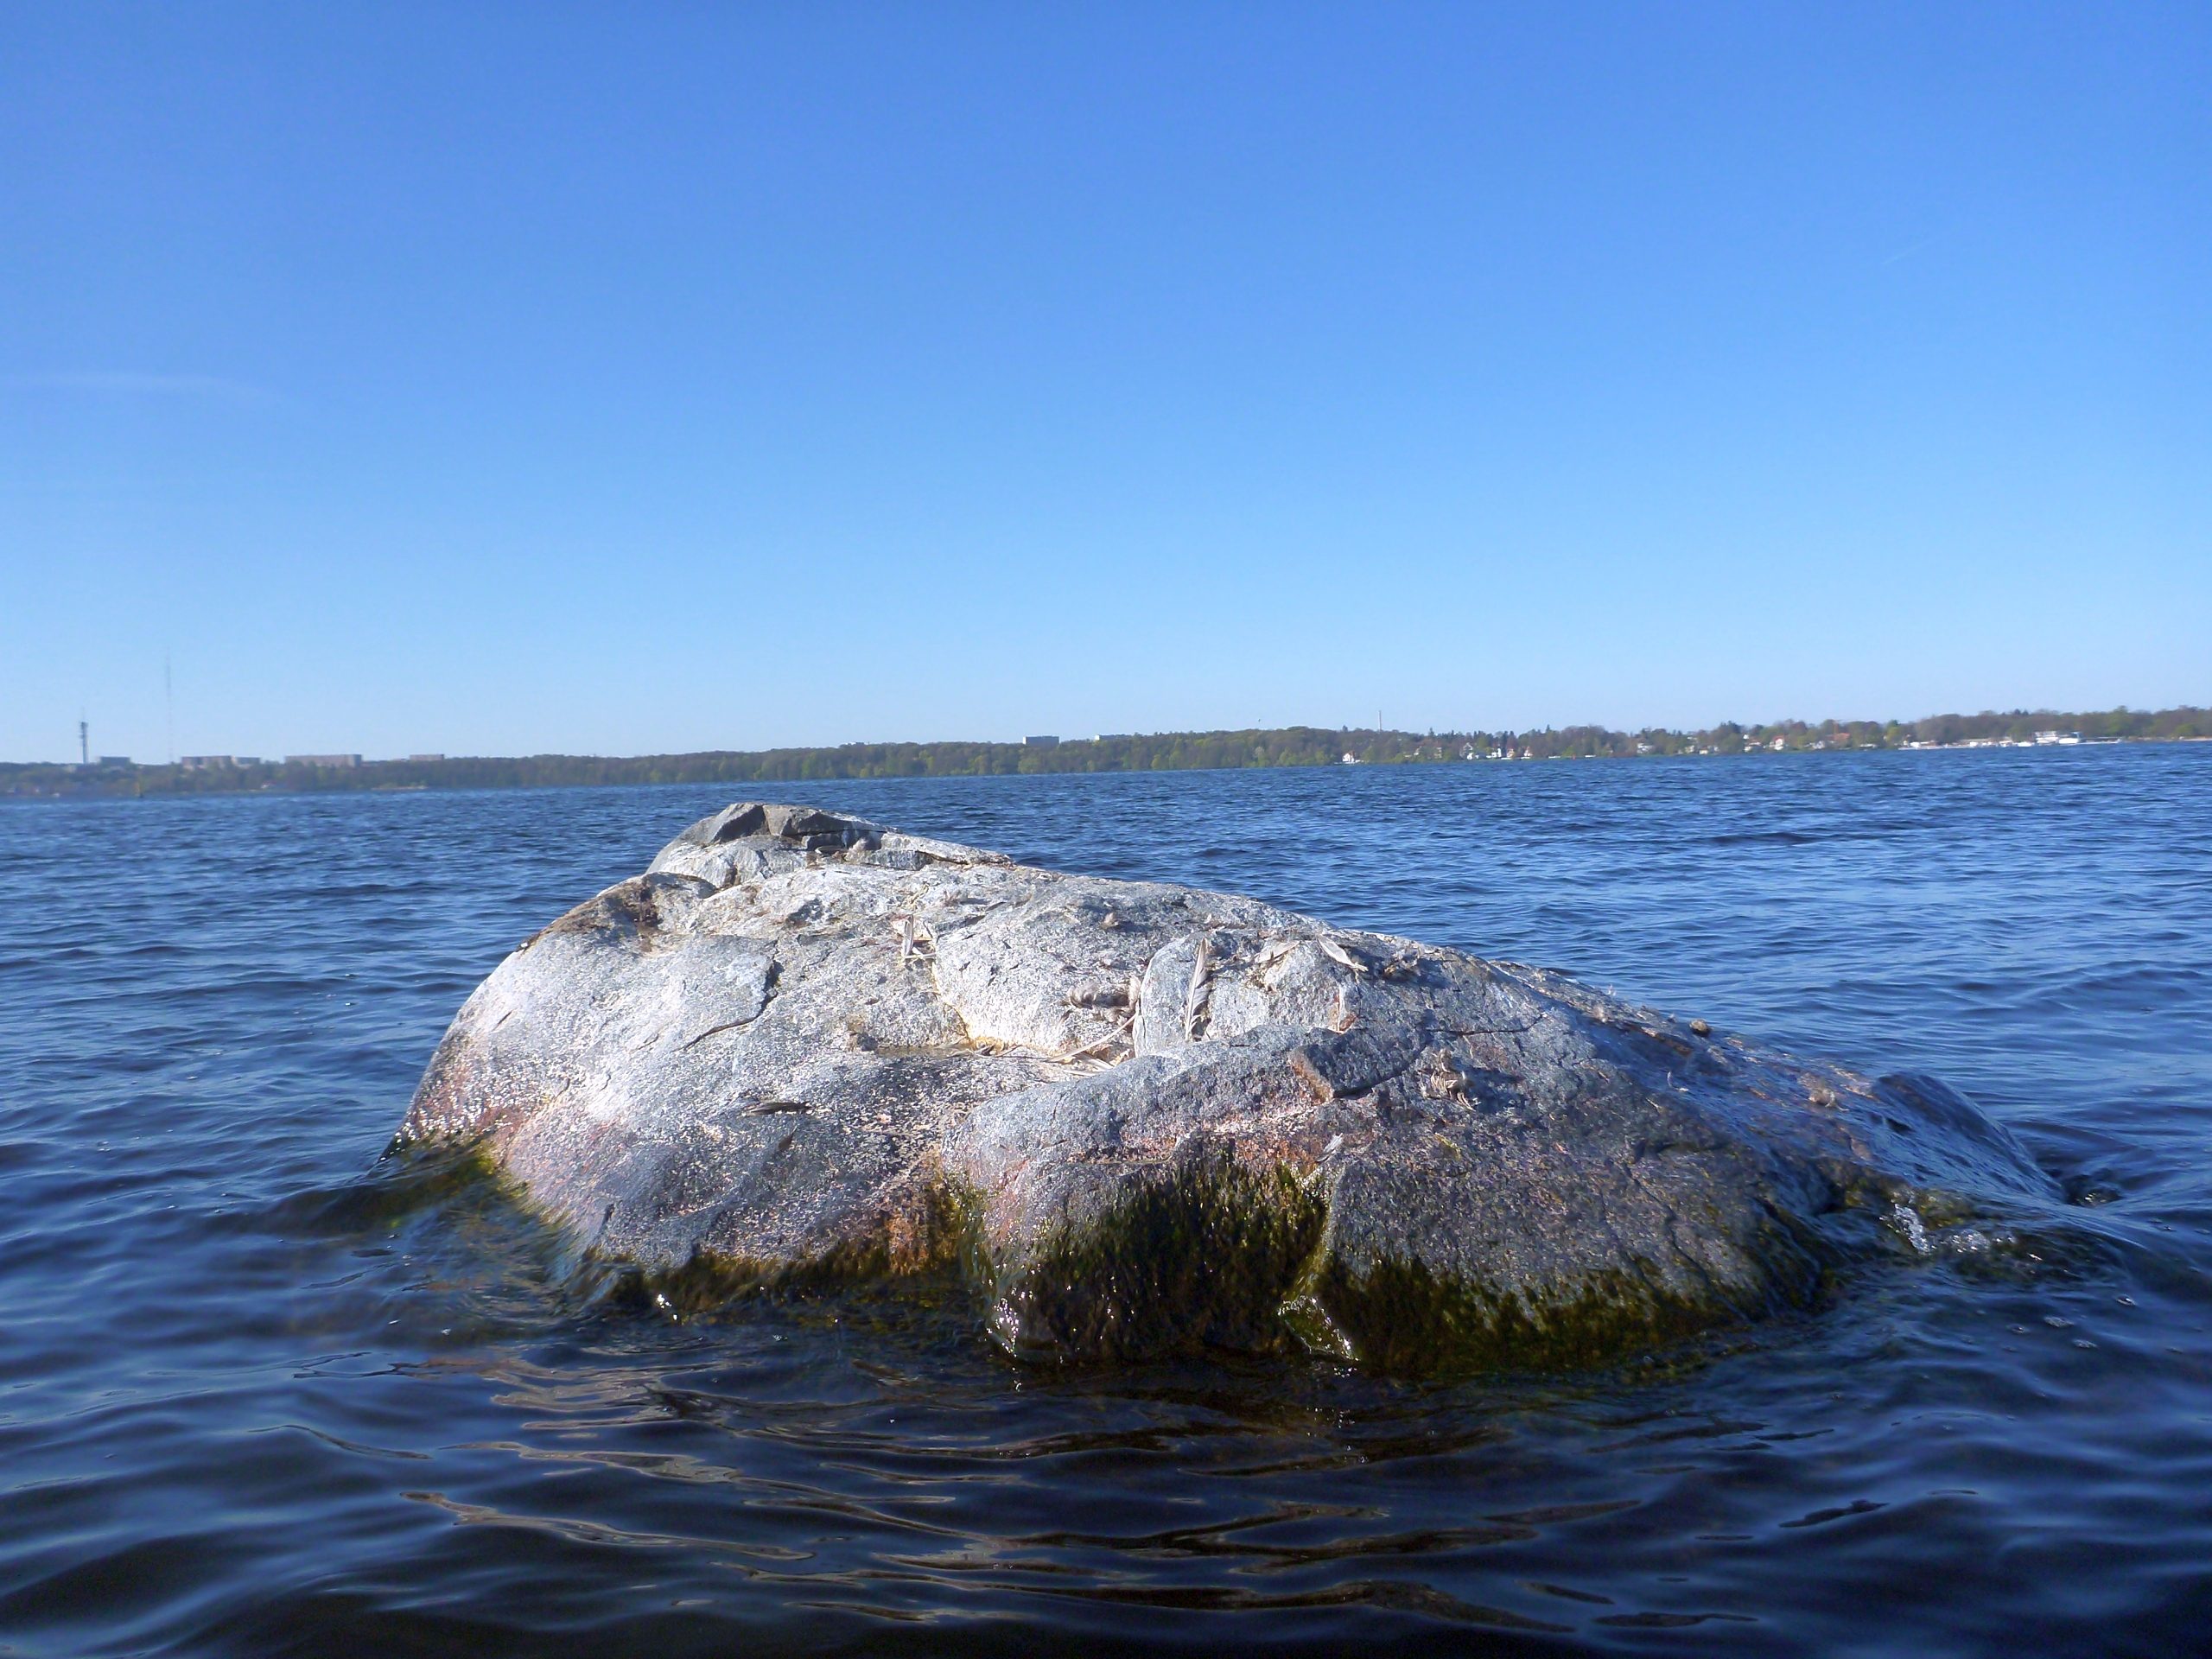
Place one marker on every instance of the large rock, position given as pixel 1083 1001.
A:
pixel 1142 1118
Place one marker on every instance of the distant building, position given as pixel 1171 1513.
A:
pixel 420 758
pixel 336 762
pixel 245 759
pixel 206 762
pixel 113 760
pixel 2067 738
pixel 1041 742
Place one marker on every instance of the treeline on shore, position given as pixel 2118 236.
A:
pixel 1296 745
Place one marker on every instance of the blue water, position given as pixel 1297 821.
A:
pixel 264 1389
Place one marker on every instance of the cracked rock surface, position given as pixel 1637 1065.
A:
pixel 1142 1118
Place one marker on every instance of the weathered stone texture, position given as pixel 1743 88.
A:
pixel 1142 1118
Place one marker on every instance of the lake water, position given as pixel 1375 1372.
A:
pixel 265 1389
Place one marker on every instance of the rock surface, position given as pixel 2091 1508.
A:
pixel 1142 1118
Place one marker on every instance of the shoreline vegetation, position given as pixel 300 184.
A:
pixel 1293 746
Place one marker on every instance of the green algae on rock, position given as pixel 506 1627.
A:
pixel 1143 1118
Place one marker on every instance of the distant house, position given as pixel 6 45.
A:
pixel 336 762
pixel 420 758
pixel 1041 742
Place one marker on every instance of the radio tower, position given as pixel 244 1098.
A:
pixel 84 743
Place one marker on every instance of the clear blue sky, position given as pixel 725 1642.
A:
pixel 620 379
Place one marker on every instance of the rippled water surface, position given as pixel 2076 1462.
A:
pixel 264 1389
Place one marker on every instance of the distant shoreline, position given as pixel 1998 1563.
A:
pixel 1294 745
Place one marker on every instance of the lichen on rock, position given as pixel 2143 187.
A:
pixel 1144 1119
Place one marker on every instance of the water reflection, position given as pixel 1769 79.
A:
pixel 263 1388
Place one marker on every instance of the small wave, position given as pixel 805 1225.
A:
pixel 404 1182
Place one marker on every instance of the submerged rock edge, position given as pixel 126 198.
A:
pixel 1142 1119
